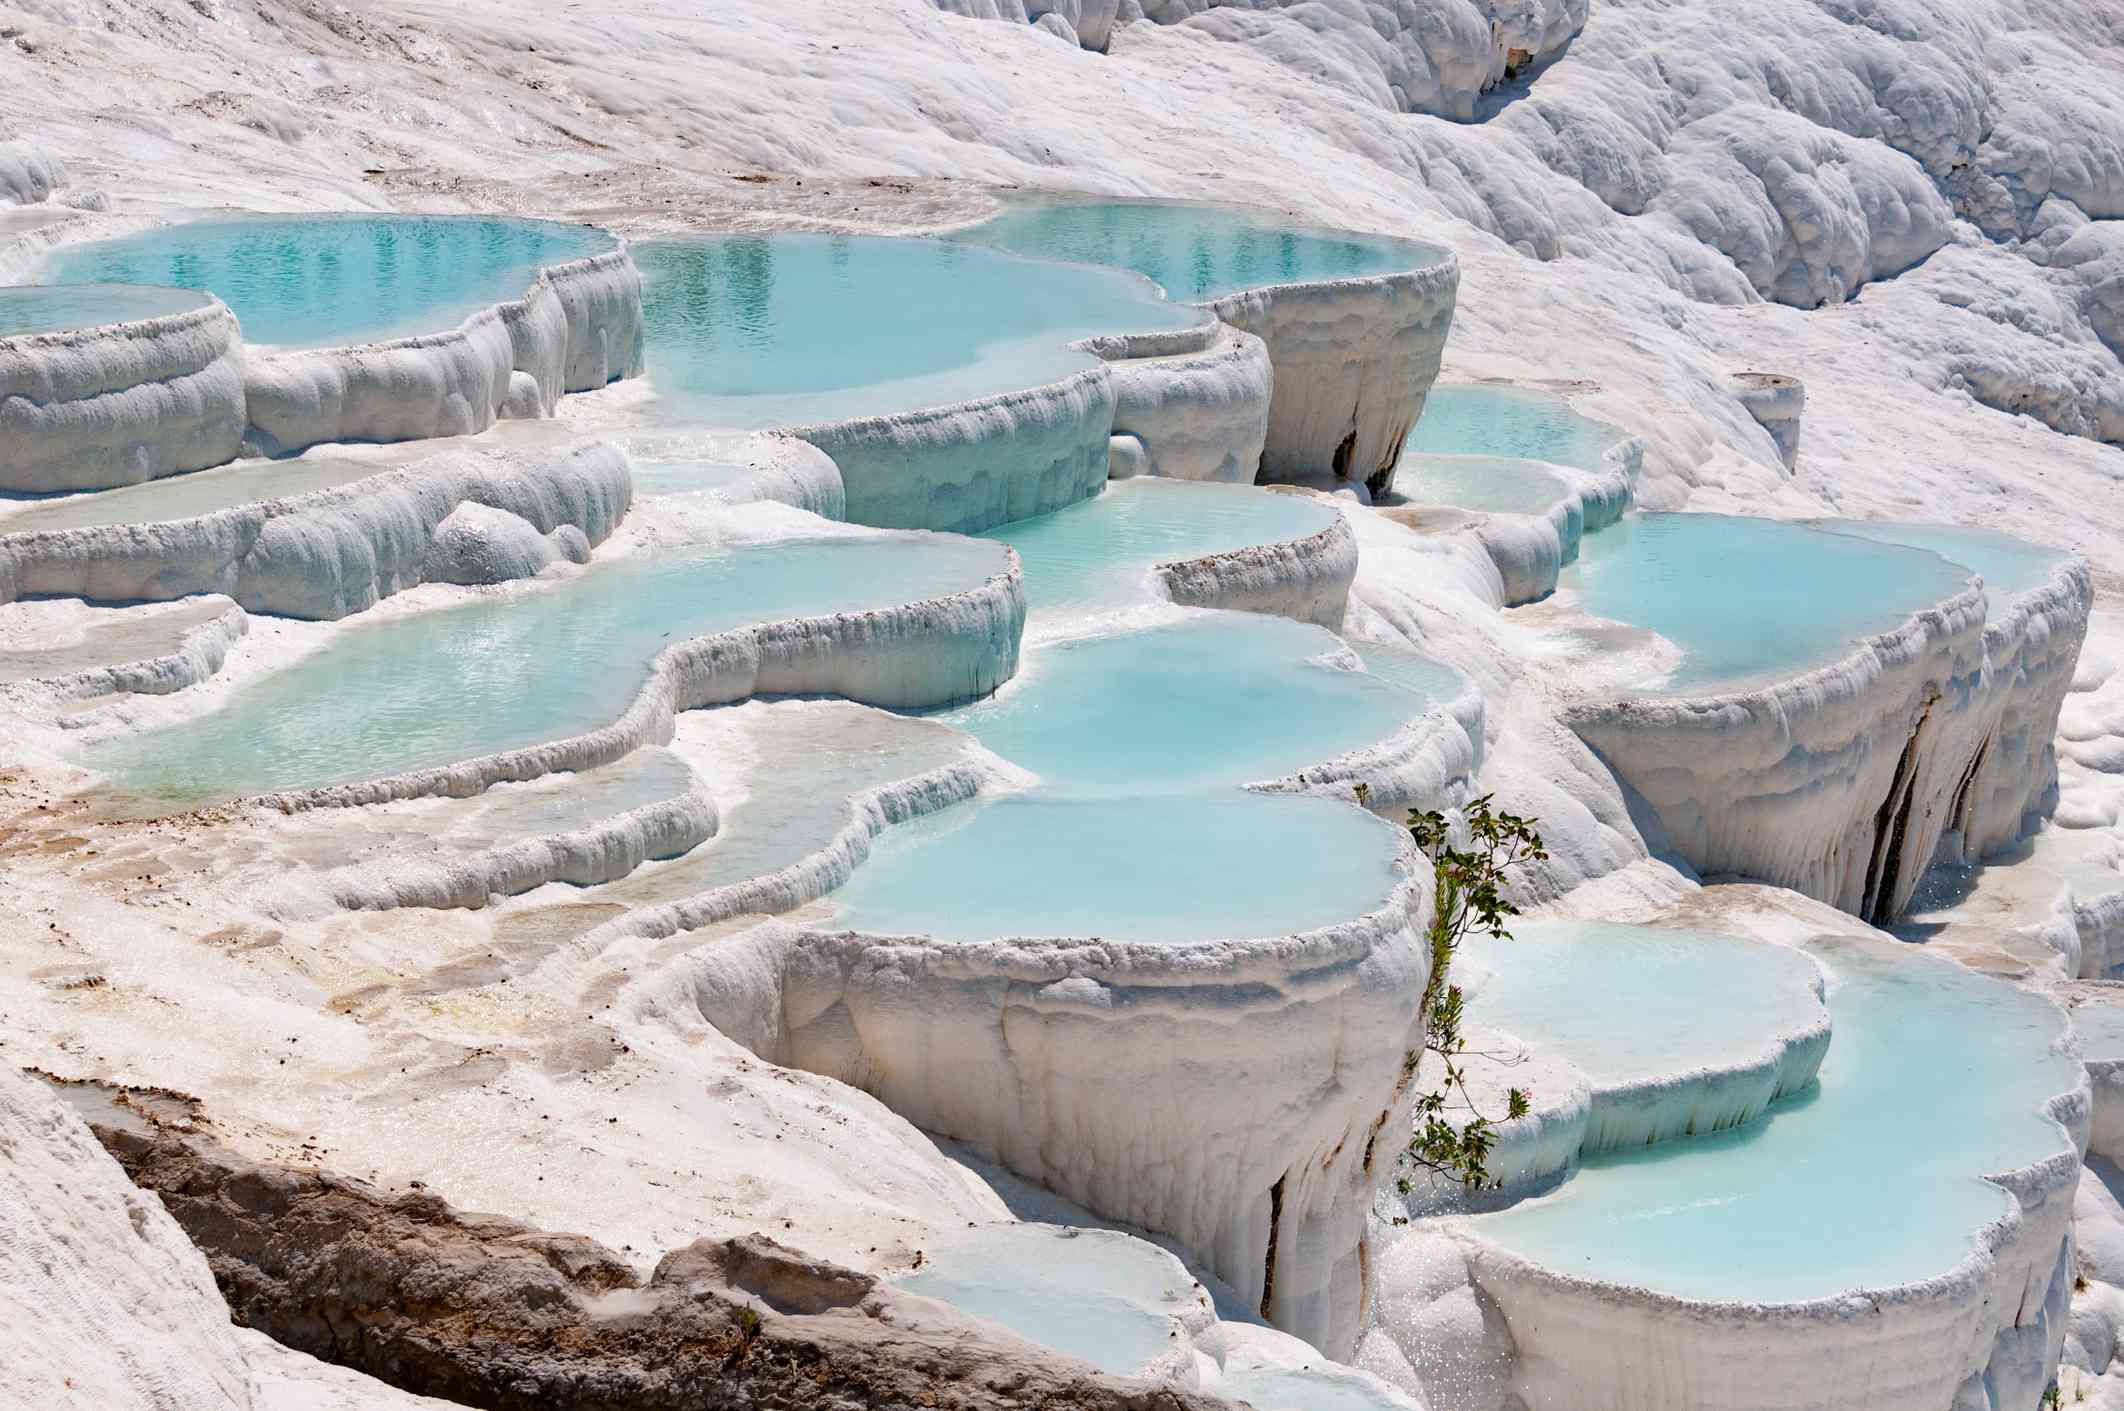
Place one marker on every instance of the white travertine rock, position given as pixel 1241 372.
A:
pixel 1417 56
pixel 1776 401
pixel 1353 359
pixel 1054 1058
pixel 28 174
pixel 1305 579
pixel 973 465
pixel 576 329
pixel 328 553
pixel 1195 416
pixel 476 544
pixel 92 408
pixel 1843 783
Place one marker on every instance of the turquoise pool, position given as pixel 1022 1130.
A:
pixel 792 329
pixel 1097 554
pixel 318 281
pixel 1193 252
pixel 1206 702
pixel 1489 484
pixel 1473 419
pixel 504 671
pixel 1166 869
pixel 49 308
pixel 1937 1077
pixel 1749 600
pixel 2008 566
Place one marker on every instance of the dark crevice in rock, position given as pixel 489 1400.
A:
pixel 1891 826
pixel 1275 1233
pixel 492 1313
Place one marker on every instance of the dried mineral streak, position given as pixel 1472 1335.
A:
pixel 1842 783
pixel 333 552
pixel 576 329
pixel 116 404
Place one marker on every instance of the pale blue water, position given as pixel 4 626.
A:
pixel 686 477
pixel 1220 699
pixel 498 673
pixel 1751 599
pixel 1411 670
pixel 2008 566
pixel 1693 999
pixel 793 329
pixel 1195 253
pixel 319 281
pixel 1169 869
pixel 1106 1298
pixel 1491 484
pixel 45 308
pixel 202 492
pixel 1937 1076
pixel 1098 553
pixel 1469 419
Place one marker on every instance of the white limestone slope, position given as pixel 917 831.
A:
pixel 104 1303
pixel 89 408
pixel 331 552
pixel 1843 782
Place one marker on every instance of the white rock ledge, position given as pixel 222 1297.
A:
pixel 578 328
pixel 1305 579
pixel 1971 1338
pixel 1529 551
pixel 327 554
pixel 1842 783
pixel 1057 1058
pixel 204 634
pixel 929 653
pixel 1354 360
pixel 1197 413
pixel 92 408
pixel 970 466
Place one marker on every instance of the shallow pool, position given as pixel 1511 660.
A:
pixel 1490 484
pixel 1097 554
pixel 1115 1301
pixel 2008 566
pixel 1473 419
pixel 1168 869
pixel 202 492
pixel 325 280
pixel 1222 698
pixel 794 329
pixel 46 308
pixel 1752 599
pixel 519 668
pixel 1698 1004
pixel 1195 252
pixel 1873 1178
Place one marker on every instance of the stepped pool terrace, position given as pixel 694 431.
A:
pixel 319 281
pixel 1751 601
pixel 1161 870
pixel 245 482
pixel 1486 484
pixel 2008 566
pixel 1219 699
pixel 34 309
pixel 1520 423
pixel 505 671
pixel 782 330
pixel 1195 253
pixel 1938 1078
pixel 1098 554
